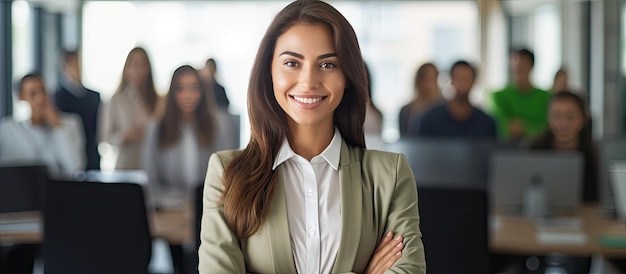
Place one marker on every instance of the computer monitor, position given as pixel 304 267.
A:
pixel 22 188
pixel 561 174
pixel 447 162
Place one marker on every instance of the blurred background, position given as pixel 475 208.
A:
pixel 586 38
pixel 395 36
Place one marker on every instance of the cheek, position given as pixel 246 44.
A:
pixel 196 97
pixel 281 81
pixel 178 98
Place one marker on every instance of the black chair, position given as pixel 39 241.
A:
pixel 22 188
pixel 95 228
pixel 192 262
pixel 454 225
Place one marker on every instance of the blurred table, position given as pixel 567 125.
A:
pixel 175 226
pixel 518 235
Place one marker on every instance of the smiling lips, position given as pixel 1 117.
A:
pixel 307 102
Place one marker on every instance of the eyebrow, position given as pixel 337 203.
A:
pixel 298 55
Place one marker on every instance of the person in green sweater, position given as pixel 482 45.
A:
pixel 520 109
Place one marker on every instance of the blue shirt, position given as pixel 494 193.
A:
pixel 438 122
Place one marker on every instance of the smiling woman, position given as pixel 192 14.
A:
pixel 305 188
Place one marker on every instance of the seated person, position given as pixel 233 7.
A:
pixel 48 137
pixel 567 118
pixel 178 146
pixel 456 117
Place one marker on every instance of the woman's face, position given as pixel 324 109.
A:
pixel 566 120
pixel 137 69
pixel 307 78
pixel 187 92
pixel 35 94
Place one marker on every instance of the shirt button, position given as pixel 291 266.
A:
pixel 311 231
pixel 309 193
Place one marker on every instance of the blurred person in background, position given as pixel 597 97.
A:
pixel 130 109
pixel 72 97
pixel 456 117
pixel 49 137
pixel 520 109
pixel 426 94
pixel 567 119
pixel 561 81
pixel 373 117
pixel 208 73
pixel 177 146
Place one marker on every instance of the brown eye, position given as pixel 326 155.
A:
pixel 328 65
pixel 291 64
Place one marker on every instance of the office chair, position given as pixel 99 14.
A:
pixel 92 227
pixel 22 188
pixel 455 230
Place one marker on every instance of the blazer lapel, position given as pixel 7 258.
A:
pixel 351 213
pixel 278 230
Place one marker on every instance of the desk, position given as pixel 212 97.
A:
pixel 175 226
pixel 517 235
pixel 513 235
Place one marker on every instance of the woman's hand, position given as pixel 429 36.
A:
pixel 386 254
pixel 51 115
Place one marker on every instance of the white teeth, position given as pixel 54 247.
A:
pixel 307 100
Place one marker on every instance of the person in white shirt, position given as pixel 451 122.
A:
pixel 130 109
pixel 48 137
pixel 178 145
pixel 305 196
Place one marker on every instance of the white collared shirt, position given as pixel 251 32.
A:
pixel 313 205
pixel 189 144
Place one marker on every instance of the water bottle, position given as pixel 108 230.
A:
pixel 535 205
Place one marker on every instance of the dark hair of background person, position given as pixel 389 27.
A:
pixel 149 95
pixel 205 120
pixel 249 180
pixel 29 76
pixel 524 52
pixel 585 145
pixel 211 62
pixel 463 63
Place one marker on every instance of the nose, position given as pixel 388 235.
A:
pixel 309 77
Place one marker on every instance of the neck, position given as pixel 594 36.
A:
pixel 460 108
pixel 461 100
pixel 524 85
pixel 566 145
pixel 187 117
pixel 309 141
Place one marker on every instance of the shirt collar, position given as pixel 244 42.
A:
pixel 330 154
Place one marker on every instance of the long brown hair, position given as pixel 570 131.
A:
pixel 249 180
pixel 149 94
pixel 204 122
pixel 418 81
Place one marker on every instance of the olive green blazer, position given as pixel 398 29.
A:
pixel 378 194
